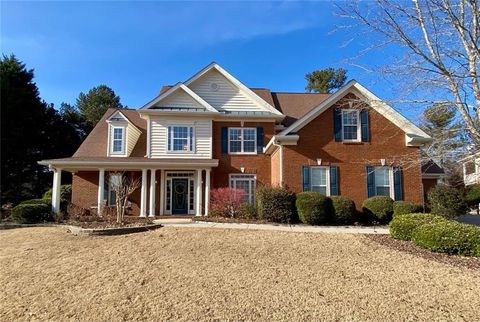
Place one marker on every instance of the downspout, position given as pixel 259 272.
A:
pixel 280 163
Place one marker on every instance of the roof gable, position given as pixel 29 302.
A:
pixel 224 92
pixel 179 97
pixel 411 130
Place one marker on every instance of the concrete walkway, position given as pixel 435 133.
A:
pixel 293 228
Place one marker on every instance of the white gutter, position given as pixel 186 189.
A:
pixel 278 140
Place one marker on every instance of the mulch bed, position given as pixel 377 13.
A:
pixel 409 247
pixel 94 222
pixel 232 220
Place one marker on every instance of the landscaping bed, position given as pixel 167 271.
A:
pixel 408 247
pixel 95 222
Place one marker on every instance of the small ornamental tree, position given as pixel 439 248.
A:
pixel 227 202
pixel 123 186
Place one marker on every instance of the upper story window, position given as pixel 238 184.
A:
pixel 180 139
pixel 350 125
pixel 382 181
pixel 242 140
pixel 118 140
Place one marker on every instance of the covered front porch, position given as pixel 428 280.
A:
pixel 168 186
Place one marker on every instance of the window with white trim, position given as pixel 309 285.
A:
pixel 245 182
pixel 242 140
pixel 351 125
pixel 382 181
pixel 320 180
pixel 180 138
pixel 118 140
pixel 110 196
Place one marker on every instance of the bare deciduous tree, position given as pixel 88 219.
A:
pixel 123 186
pixel 439 42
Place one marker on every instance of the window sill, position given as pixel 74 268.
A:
pixel 352 142
pixel 242 153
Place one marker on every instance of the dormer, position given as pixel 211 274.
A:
pixel 122 135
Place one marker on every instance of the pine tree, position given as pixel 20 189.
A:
pixel 325 80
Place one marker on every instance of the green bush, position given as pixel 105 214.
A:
pixel 446 201
pixel 344 210
pixel 402 227
pixel 248 211
pixel 31 213
pixel 406 207
pixel 65 193
pixel 36 202
pixel 472 196
pixel 314 208
pixel 275 204
pixel 379 208
pixel 448 237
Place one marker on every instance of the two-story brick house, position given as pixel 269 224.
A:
pixel 212 131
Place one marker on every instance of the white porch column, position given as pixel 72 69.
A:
pixel 143 195
pixel 101 188
pixel 57 179
pixel 162 192
pixel 207 190
pixel 151 213
pixel 198 208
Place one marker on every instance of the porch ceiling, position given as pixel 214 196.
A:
pixel 117 163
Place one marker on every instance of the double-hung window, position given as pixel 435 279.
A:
pixel 382 181
pixel 319 180
pixel 242 140
pixel 245 182
pixel 180 139
pixel 118 140
pixel 351 126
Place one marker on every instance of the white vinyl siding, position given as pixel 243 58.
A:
pixel 132 135
pixel 202 135
pixel 220 93
pixel 180 99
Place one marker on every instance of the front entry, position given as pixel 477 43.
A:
pixel 180 196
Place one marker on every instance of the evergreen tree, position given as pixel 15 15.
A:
pixel 31 130
pixel 93 105
pixel 325 80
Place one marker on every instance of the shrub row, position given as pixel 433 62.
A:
pixel 447 201
pixel 436 233
pixel 276 204
pixel 448 237
pixel 31 213
pixel 402 226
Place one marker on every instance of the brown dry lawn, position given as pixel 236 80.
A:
pixel 207 274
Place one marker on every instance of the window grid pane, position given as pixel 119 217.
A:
pixel 246 183
pixel 382 181
pixel 242 140
pixel 180 138
pixel 319 180
pixel 350 125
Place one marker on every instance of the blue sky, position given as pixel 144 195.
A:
pixel 136 47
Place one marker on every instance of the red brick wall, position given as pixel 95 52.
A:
pixel 387 141
pixel 275 168
pixel 254 164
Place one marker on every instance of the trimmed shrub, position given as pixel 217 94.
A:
pixel 344 209
pixel 226 202
pixel 448 237
pixel 37 202
pixel 314 208
pixel 65 193
pixel 402 227
pixel 379 208
pixel 31 213
pixel 406 207
pixel 446 201
pixel 472 195
pixel 275 204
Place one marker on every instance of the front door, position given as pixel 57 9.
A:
pixel 180 196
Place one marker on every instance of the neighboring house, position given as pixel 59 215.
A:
pixel 432 174
pixel 212 131
pixel 471 169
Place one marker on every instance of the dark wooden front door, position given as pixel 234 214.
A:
pixel 180 196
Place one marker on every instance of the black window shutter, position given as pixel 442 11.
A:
pixel 397 183
pixel 306 178
pixel 370 181
pixel 364 121
pixel 259 140
pixel 337 124
pixel 224 139
pixel 334 181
